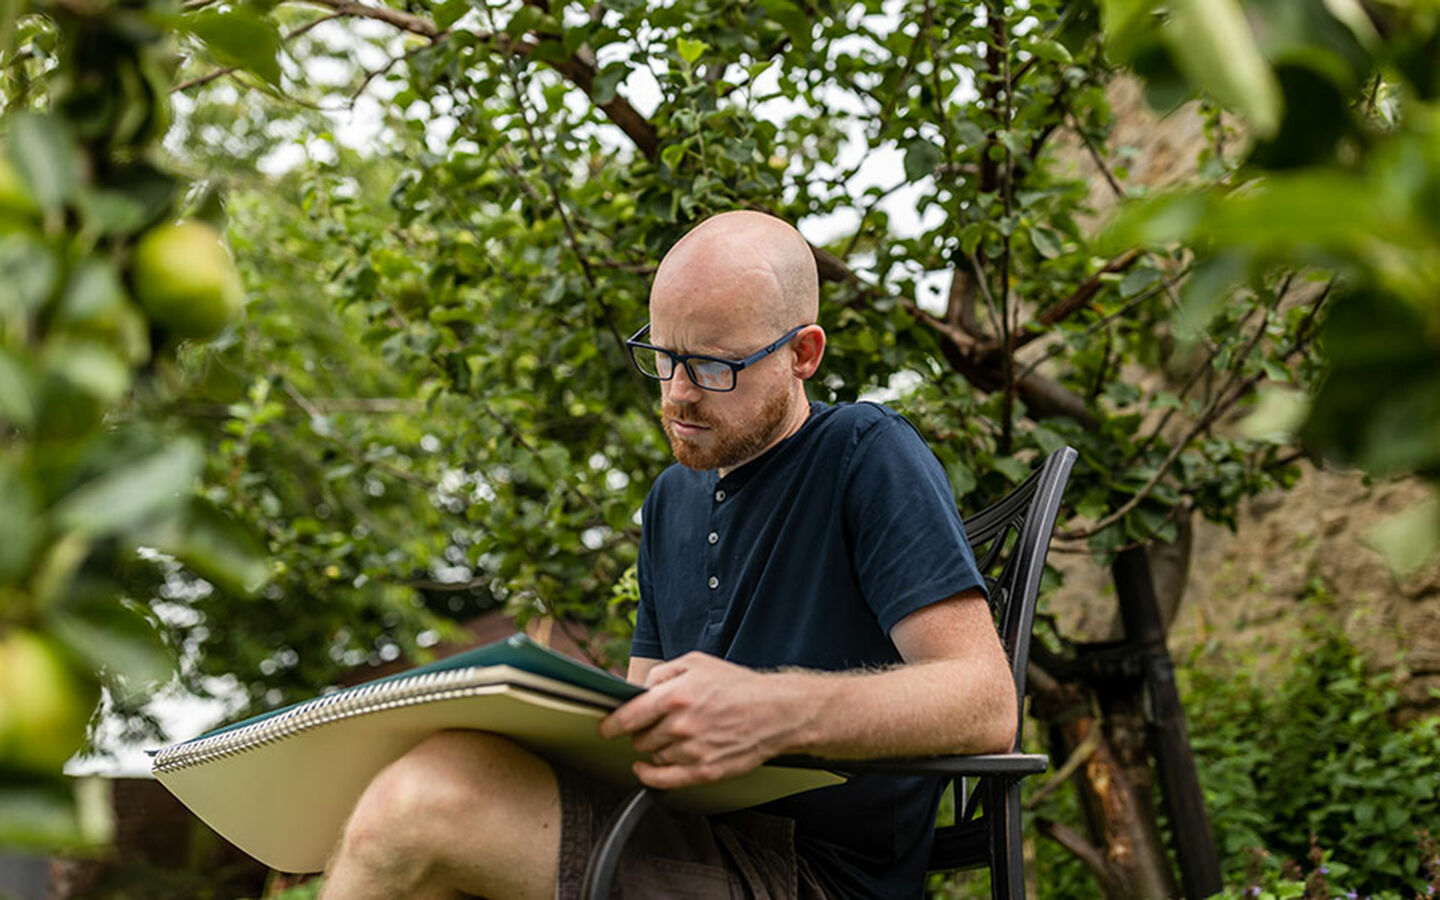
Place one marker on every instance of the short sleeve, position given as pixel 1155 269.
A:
pixel 908 540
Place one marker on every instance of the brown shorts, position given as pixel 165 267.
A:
pixel 674 856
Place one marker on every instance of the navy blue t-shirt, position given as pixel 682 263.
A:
pixel 808 556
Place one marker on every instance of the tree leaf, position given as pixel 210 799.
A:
pixel 921 157
pixel 129 494
pixel 450 12
pixel 796 21
pixel 607 82
pixel 1048 242
pixel 45 158
pixel 1125 24
pixel 213 545
pixel 239 38
pixel 673 154
pixel 17 390
pixel 19 529
pixel 10 11
pixel 1215 48
pixel 111 639
pixel 40 816
pixel 526 19
pixel 690 50
pixel 1410 538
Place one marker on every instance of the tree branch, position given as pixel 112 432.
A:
pixel 1078 299
pixel 394 17
pixel 1222 401
pixel 1083 850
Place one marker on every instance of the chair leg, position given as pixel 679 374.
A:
pixel 1007 852
pixel 605 857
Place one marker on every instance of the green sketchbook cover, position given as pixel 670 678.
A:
pixel 280 785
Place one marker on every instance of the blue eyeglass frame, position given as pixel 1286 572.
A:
pixel 634 343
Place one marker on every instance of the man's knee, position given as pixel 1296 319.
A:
pixel 454 780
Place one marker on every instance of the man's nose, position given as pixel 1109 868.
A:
pixel 682 388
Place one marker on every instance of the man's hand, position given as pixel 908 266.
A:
pixel 704 719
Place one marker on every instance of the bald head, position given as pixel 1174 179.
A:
pixel 758 264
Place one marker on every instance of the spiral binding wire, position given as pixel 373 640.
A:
pixel 371 698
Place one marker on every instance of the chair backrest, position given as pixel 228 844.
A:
pixel 1010 539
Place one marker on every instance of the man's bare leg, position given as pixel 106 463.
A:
pixel 463 813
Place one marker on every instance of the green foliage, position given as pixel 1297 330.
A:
pixel 86 477
pixel 1313 750
pixel 1348 182
pixel 1308 780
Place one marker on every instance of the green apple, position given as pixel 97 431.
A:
pixel 45 705
pixel 185 281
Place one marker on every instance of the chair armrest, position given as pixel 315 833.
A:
pixel 605 857
pixel 1015 765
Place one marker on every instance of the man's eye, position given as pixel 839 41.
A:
pixel 712 374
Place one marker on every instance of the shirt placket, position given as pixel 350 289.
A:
pixel 716 579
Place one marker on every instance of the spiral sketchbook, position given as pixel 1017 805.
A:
pixel 280 785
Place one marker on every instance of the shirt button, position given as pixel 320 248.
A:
pixel 713 537
pixel 713 582
pixel 719 496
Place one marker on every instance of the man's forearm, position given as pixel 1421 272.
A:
pixel 940 706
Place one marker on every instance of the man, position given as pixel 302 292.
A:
pixel 805 588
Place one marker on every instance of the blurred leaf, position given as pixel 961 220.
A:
pixel 1410 538
pixel 45 158
pixel 1212 281
pixel 112 640
pixel 1316 117
pixel 111 212
pixel 19 533
pixel 1125 23
pixel 54 814
pixel 795 20
pixel 213 545
pixel 526 19
pixel 1278 414
pixel 1215 48
pixel 89 365
pixel 28 274
pixel 448 13
pixel 921 157
pixel 17 390
pixel 239 38
pixel 10 10
pixel 132 492
pixel 607 81
pixel 1379 407
pixel 1352 14
pixel 92 291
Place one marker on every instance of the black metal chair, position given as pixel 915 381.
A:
pixel 1010 540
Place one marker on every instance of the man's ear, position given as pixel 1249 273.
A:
pixel 808 347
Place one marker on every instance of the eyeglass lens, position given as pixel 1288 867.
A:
pixel 705 374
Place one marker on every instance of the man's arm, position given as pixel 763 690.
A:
pixel 704 719
pixel 639 669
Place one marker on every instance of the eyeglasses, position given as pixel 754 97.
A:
pixel 709 373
